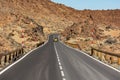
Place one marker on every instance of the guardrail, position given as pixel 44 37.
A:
pixel 105 56
pixel 73 45
pixel 8 58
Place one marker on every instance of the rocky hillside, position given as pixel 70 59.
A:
pixel 27 22
pixel 99 29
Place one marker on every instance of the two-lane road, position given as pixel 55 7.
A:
pixel 55 61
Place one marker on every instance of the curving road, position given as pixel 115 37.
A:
pixel 56 61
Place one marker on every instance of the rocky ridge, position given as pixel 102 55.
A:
pixel 27 22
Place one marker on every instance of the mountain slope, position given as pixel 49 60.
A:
pixel 30 21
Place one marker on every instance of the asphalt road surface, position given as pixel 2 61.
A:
pixel 55 61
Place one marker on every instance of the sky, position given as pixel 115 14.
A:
pixel 91 4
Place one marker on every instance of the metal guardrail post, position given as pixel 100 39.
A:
pixel 18 53
pixel 114 60
pixel 103 57
pixel 91 52
pixel 10 57
pixel 108 58
pixel 95 53
pixel 7 59
pixel 14 56
pixel 3 61
pixel 118 61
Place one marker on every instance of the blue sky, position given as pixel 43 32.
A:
pixel 91 4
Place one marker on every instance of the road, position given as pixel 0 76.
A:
pixel 56 61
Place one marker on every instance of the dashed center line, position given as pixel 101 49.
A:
pixel 58 60
pixel 62 73
pixel 60 66
pixel 64 79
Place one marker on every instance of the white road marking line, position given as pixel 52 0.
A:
pixel 1 72
pixel 93 58
pixel 64 79
pixel 60 66
pixel 57 55
pixel 62 73
pixel 58 60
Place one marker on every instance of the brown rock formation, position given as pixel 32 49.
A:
pixel 28 21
